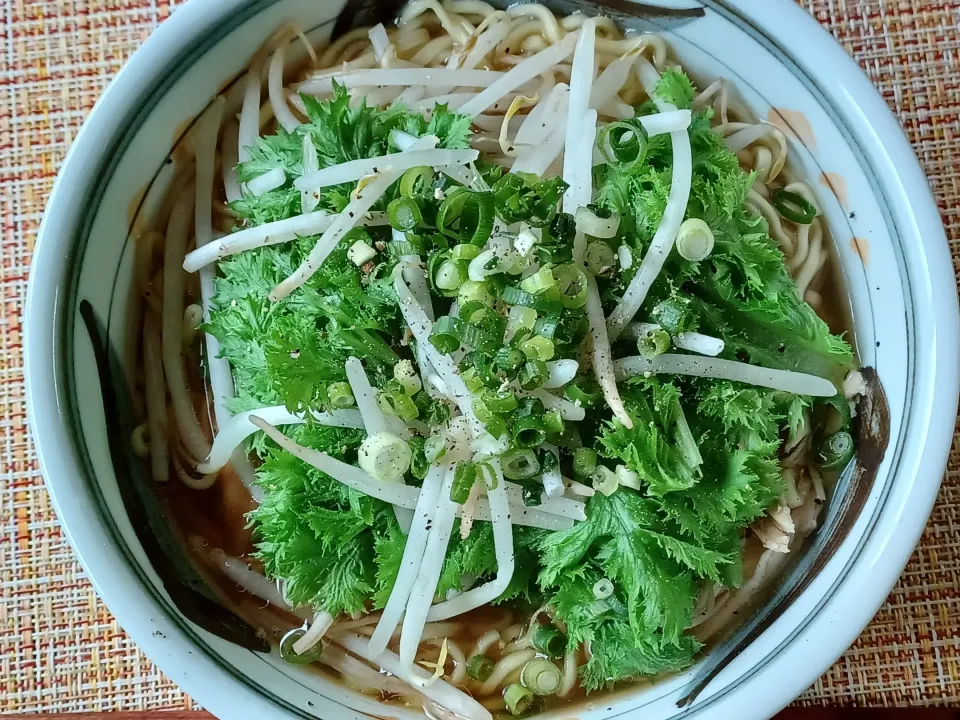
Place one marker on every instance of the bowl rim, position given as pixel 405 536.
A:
pixel 121 587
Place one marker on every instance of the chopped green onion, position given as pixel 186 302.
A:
pixel 533 374
pixel 627 477
pixel 500 402
pixel 509 359
pixel 655 341
pixel 496 426
pixel 599 258
pixel 793 206
pixel 539 282
pixel 480 667
pixel 450 277
pixel 404 214
pixel 571 285
pixel 563 228
pixel 474 292
pixel 584 462
pixel 399 403
pixel 597 222
pixel 360 252
pixel 553 421
pixel 415 181
pixel 464 251
pixel 538 348
pixel 288 654
pixel 476 218
pixel 835 451
pixel 434 448
pixel 471 379
pixel 528 432
pixel 518 699
pixel 623 142
pixel 675 314
pixel 404 374
pixel 602 589
pixel 463 479
pixel 694 240
pixel 584 390
pixel 519 197
pixel 519 464
pixel 445 336
pixel 515 296
pixel 340 394
pixel 605 481
pixel 478 338
pixel 547 326
pixel 385 456
pixel 541 676
pixel 520 318
pixel 548 640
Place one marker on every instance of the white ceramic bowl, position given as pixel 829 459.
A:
pixel 902 293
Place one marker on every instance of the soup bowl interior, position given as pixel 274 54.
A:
pixel 889 248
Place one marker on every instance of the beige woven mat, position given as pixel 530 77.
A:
pixel 60 649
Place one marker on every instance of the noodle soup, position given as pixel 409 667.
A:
pixel 485 361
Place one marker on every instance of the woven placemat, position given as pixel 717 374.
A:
pixel 61 650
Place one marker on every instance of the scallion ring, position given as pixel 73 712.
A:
pixel 404 214
pixel 571 285
pixel 528 432
pixel 340 394
pixel 793 206
pixel 415 181
pixel 445 336
pixel 600 258
pixel 548 640
pixel 694 240
pixel 602 589
pixel 518 699
pixel 541 676
pixel 623 142
pixel 385 456
pixel 463 479
pixel 288 654
pixel 519 464
pixel 480 667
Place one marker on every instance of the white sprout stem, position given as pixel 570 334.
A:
pixel 270 180
pixel 669 121
pixel 559 506
pixel 275 91
pixel 420 326
pixel 188 425
pixel 411 561
pixel 352 477
pixel 156 399
pixel 608 85
pixel 699 343
pixel 425 586
pixel 461 174
pixel 348 219
pixel 748 135
pixel 666 234
pixel 229 159
pixel 581 82
pixel 534 130
pixel 204 145
pixel 561 372
pixel 568 410
pixel 251 581
pixel 311 163
pixel 602 353
pixel 376 421
pixel 690 341
pixel 708 367
pixel 503 547
pixel 552 479
pixel 383 50
pixel 400 77
pixel 537 159
pixel 520 73
pixel 354 170
pixel 273 233
pixel 417 678
pixel 314 634
pixel 522 515
pixel 250 112
pixel 240 427
pixel 259 236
